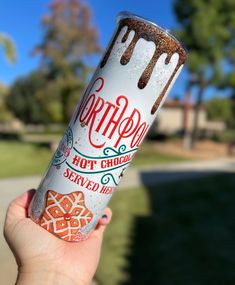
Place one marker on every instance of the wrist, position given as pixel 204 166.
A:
pixel 48 276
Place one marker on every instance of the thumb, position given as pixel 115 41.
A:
pixel 18 207
pixel 95 240
pixel 103 222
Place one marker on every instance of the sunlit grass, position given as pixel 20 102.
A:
pixel 20 159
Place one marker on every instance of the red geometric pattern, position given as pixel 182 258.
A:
pixel 65 215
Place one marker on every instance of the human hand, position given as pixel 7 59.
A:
pixel 45 259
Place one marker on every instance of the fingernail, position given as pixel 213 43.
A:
pixel 104 216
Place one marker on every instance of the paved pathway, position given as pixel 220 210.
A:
pixel 151 175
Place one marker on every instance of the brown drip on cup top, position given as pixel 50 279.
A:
pixel 164 44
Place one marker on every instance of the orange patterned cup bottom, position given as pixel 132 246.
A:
pixel 65 215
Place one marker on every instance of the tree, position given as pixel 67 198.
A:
pixel 10 53
pixel 5 114
pixel 68 39
pixel 232 106
pixel 206 27
pixel 23 100
pixel 9 47
pixel 220 109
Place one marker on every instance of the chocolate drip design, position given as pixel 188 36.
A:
pixel 163 92
pixel 110 47
pixel 125 37
pixel 164 44
pixel 149 69
pixel 129 51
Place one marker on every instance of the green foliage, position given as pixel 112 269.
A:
pixel 226 137
pixel 5 114
pixel 22 99
pixel 35 99
pixel 59 96
pixel 220 109
pixel 50 94
pixel 68 37
pixel 9 47
pixel 67 41
pixel 10 53
pixel 206 28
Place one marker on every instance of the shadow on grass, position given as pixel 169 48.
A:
pixel 189 238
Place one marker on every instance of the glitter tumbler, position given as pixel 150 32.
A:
pixel 111 120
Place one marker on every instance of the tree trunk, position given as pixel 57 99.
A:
pixel 196 117
pixel 186 110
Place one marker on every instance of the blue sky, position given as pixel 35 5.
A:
pixel 21 20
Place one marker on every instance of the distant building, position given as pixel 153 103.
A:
pixel 172 118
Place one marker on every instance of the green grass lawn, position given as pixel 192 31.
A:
pixel 148 155
pixel 172 234
pixel 21 159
